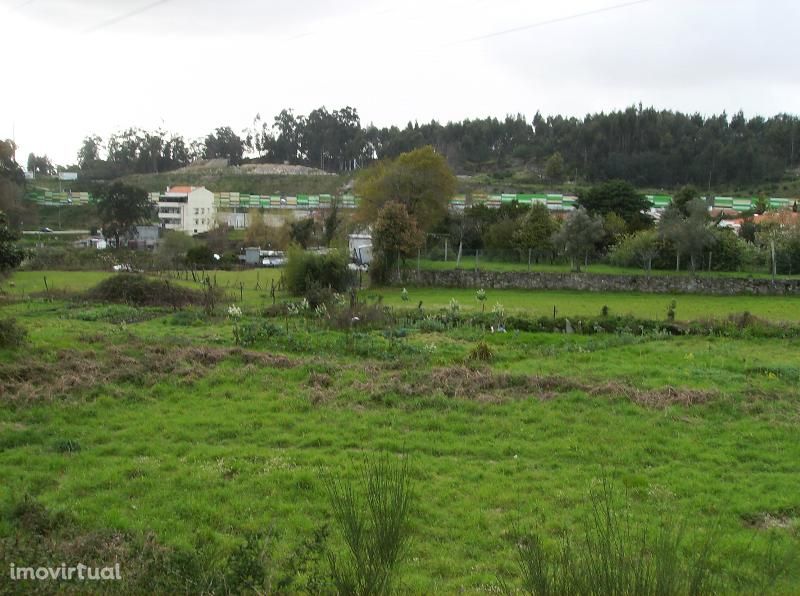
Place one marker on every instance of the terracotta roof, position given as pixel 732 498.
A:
pixel 784 215
pixel 186 189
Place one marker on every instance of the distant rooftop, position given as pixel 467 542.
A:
pixel 180 189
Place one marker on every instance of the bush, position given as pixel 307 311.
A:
pixel 374 524
pixel 251 332
pixel 481 352
pixel 610 557
pixel 131 288
pixel 307 270
pixel 187 318
pixel 112 313
pixel 200 256
pixel 12 334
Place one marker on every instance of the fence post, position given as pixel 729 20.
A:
pixel 529 260
pixel 445 249
pixel 417 262
pixel 477 256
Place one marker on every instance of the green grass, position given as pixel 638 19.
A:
pixel 468 264
pixel 531 302
pixel 575 304
pixel 228 446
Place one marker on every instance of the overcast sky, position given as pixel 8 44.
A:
pixel 188 66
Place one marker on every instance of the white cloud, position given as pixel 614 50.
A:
pixel 190 66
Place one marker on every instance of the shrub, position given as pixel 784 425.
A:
pixel 610 557
pixel 305 270
pixel 200 256
pixel 374 524
pixel 187 318
pixel 251 332
pixel 481 352
pixel 12 334
pixel 67 446
pixel 112 313
pixel 131 288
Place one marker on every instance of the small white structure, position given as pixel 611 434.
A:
pixel 360 248
pixel 188 209
pixel 252 255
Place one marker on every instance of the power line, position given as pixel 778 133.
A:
pixel 127 15
pixel 550 21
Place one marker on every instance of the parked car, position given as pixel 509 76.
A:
pixel 46 230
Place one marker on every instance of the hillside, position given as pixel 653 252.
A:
pixel 244 179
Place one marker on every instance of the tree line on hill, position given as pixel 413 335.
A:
pixel 645 146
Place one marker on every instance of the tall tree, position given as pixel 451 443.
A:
pixel 621 198
pixel 395 236
pixel 12 184
pixel 554 168
pixel 302 232
pixel 578 236
pixel 534 233
pixel 121 209
pixel 223 142
pixel 420 180
pixel 682 198
pixel 40 165
pixel 89 151
pixel 11 255
pixel 690 234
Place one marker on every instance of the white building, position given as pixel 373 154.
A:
pixel 188 209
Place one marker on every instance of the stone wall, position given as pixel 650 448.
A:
pixel 656 284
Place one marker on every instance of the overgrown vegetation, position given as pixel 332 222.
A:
pixel 138 290
pixel 308 271
pixel 159 404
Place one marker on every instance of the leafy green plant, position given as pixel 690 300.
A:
pixel 305 270
pixel 247 333
pixel 373 520
pixel 671 311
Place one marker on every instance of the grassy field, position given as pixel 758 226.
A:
pixel 468 264
pixel 161 426
pixel 254 285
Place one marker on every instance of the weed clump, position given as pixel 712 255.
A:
pixel 481 352
pixel 138 290
pixel 611 557
pixel 12 334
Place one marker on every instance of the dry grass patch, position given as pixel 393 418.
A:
pixel 482 384
pixel 72 371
